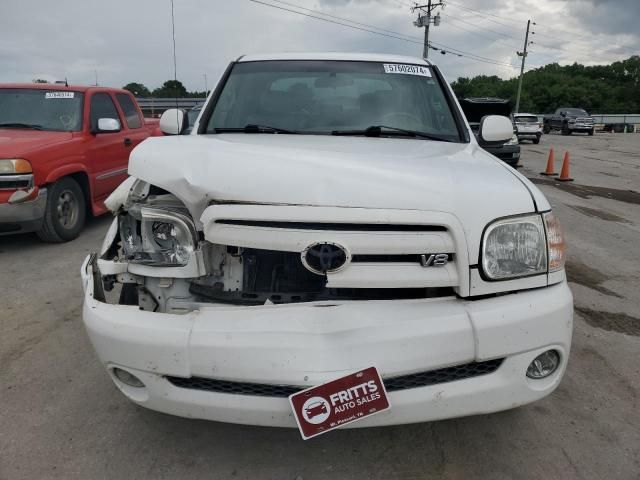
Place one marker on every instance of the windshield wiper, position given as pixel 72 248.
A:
pixel 21 125
pixel 376 131
pixel 251 128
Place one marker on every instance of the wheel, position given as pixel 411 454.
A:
pixel 65 212
pixel 546 128
pixel 591 132
pixel 565 129
pixel 536 140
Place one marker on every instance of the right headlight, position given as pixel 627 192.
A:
pixel 514 247
pixel 522 246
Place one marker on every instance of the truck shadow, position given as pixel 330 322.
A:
pixel 24 242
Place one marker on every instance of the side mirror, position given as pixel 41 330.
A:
pixel 108 125
pixel 173 121
pixel 495 129
pixel 563 114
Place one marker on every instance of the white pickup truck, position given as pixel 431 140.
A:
pixel 328 213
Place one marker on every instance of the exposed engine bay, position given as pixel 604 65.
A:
pixel 157 231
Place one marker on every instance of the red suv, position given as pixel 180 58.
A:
pixel 63 150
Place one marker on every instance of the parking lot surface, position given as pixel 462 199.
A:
pixel 61 416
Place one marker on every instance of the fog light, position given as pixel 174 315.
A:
pixel 127 378
pixel 544 364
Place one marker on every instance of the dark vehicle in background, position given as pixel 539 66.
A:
pixel 569 120
pixel 527 127
pixel 475 108
pixel 192 116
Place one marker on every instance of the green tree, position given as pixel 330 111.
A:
pixel 611 88
pixel 171 89
pixel 138 89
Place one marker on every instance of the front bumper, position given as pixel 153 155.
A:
pixel 580 127
pixel 23 217
pixel 308 344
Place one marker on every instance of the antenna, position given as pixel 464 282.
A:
pixel 175 65
pixel 66 84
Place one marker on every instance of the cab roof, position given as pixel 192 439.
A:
pixel 355 57
pixel 59 87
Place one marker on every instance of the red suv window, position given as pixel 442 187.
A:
pixel 130 112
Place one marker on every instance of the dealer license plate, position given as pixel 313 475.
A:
pixel 344 400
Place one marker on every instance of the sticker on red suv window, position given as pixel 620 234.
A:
pixel 59 95
pixel 326 407
pixel 407 69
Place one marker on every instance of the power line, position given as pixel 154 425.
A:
pixel 342 18
pixel 485 28
pixel 473 56
pixel 487 14
pixel 337 23
pixel 588 43
pixel 394 35
pixel 403 4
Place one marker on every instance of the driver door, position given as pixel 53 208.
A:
pixel 108 155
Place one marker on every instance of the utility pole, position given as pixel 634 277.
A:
pixel 426 20
pixel 206 86
pixel 522 54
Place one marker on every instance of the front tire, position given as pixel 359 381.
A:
pixel 565 130
pixel 546 128
pixel 65 212
pixel 536 140
pixel 591 132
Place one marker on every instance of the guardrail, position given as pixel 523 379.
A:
pixel 154 107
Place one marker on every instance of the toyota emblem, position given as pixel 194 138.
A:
pixel 325 257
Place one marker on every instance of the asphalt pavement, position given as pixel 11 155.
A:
pixel 62 418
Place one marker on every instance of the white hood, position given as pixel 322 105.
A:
pixel 387 173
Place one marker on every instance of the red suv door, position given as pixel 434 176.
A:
pixel 108 155
pixel 136 129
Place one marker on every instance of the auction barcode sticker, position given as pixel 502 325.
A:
pixel 407 69
pixel 59 95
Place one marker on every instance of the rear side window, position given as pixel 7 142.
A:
pixel 130 112
pixel 102 107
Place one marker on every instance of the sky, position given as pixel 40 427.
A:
pixel 124 41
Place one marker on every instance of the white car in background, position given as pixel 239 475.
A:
pixel 329 212
pixel 528 127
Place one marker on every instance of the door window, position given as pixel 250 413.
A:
pixel 102 107
pixel 130 112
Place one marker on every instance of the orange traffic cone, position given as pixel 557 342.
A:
pixel 549 171
pixel 564 173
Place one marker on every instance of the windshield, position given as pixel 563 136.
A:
pixel 330 97
pixel 526 119
pixel 54 110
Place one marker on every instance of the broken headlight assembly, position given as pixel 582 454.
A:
pixel 158 236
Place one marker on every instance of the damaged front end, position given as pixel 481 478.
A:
pixel 155 257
